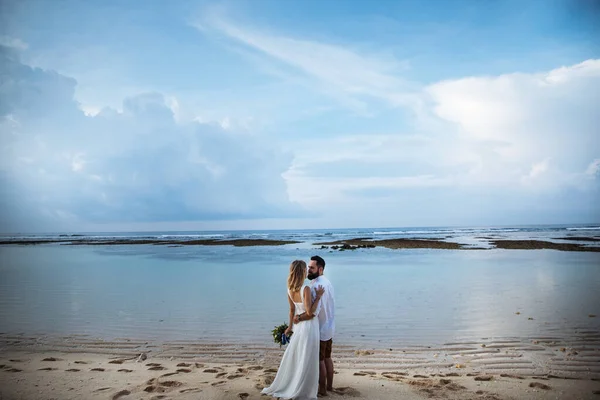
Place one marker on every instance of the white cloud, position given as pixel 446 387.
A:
pixel 522 135
pixel 63 166
pixel 593 170
pixel 341 72
pixel 525 116
pixel 12 42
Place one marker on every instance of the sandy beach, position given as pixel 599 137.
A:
pixel 79 367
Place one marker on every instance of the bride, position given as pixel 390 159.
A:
pixel 298 374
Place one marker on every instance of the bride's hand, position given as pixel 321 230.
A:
pixel 320 291
pixel 288 331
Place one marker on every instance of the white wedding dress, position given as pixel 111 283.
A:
pixel 298 374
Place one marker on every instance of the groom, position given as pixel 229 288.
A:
pixel 325 313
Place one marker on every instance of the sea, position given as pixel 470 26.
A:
pixel 383 297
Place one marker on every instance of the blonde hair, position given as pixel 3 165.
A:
pixel 297 275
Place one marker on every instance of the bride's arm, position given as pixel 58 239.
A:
pixel 292 313
pixel 311 307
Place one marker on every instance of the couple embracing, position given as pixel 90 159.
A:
pixel 306 367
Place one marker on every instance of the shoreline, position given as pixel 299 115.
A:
pixel 158 242
pixel 526 368
pixel 340 245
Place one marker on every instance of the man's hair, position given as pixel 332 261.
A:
pixel 319 260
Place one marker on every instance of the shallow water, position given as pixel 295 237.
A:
pixel 209 293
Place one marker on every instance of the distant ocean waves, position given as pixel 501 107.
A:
pixel 542 232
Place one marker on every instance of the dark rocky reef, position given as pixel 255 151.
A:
pixel 353 244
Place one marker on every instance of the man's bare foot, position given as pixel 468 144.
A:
pixel 322 391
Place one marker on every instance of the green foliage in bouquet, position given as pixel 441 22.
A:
pixel 278 331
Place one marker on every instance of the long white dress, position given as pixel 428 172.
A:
pixel 298 374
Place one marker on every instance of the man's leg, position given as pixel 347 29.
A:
pixel 329 368
pixel 322 369
pixel 329 365
pixel 326 366
pixel 322 379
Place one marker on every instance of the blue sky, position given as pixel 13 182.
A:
pixel 298 114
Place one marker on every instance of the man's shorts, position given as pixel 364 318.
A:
pixel 325 349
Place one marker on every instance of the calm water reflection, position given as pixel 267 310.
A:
pixel 383 296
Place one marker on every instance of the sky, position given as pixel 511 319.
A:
pixel 298 114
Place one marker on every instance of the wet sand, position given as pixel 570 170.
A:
pixel 81 367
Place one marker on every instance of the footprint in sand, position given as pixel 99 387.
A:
pixel 51 359
pixel 234 376
pixel 243 396
pixel 170 383
pixel 190 390
pixel 394 376
pixel 454 387
pixel 120 394
pixel 116 361
pixel 13 370
pixel 271 371
pixel 124 370
pixel 156 368
pixel 15 360
pixel 152 389
pixel 102 389
pixel 153 365
pixel 539 385
pixel 220 374
pixel 212 370
pixel 98 369
pixel 488 395
pixel 255 368
pixel 47 369
pixel 155 386
pixel 198 365
pixel 346 391
pixel 217 383
pixel 264 381
pixel 511 376
pixel 184 370
pixel 184 365
pixel 80 362
pixel 73 370
pixel 364 373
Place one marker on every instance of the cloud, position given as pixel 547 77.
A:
pixel 14 43
pixel 523 138
pixel 61 166
pixel 349 75
pixel 593 170
pixel 546 120
pixel 527 135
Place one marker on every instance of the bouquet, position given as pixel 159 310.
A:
pixel 279 333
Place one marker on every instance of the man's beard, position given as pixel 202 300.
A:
pixel 312 276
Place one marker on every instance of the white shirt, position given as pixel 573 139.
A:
pixel 326 307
